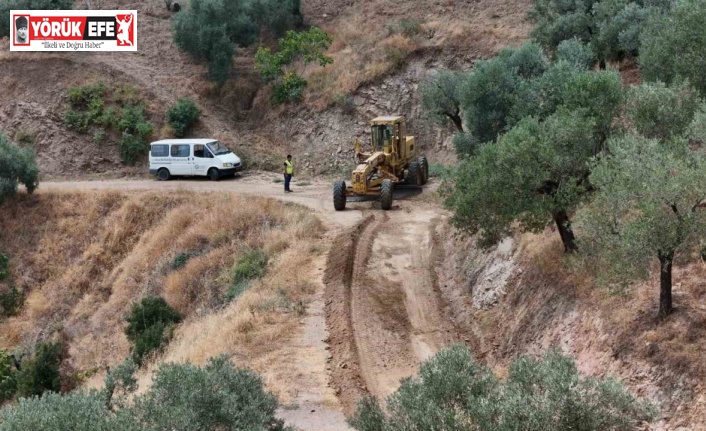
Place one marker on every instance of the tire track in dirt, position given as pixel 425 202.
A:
pixel 384 311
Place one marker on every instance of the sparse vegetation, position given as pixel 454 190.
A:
pixel 4 267
pixel 549 394
pixel 91 109
pixel 281 67
pixel 180 260
pixel 182 115
pixel 149 327
pixel 251 265
pixel 17 165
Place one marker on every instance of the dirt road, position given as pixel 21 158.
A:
pixel 382 307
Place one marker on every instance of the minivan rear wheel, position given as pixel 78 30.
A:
pixel 163 174
pixel 213 174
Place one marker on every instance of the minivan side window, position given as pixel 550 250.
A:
pixel 160 150
pixel 181 150
pixel 198 151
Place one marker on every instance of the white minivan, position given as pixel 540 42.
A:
pixel 206 157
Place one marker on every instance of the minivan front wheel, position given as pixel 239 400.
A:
pixel 213 174
pixel 163 174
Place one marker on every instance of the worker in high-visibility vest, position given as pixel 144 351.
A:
pixel 288 172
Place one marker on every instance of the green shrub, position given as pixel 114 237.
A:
pixel 40 372
pixel 180 260
pixel 237 289
pixel 218 396
pixel 182 397
pixel 182 115
pixel 149 326
pixel 99 137
pixel 4 267
pixel 410 27
pixel 131 148
pixel 548 394
pixel 289 90
pixel 10 301
pixel 8 382
pixel 76 411
pixel 465 144
pixel 119 383
pixel 697 129
pixel 24 138
pixel 89 110
pixel 83 97
pixel 437 170
pixel 17 165
pixel 252 264
pixel 296 48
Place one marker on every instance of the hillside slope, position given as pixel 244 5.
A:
pixel 376 71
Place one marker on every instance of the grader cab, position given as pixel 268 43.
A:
pixel 392 159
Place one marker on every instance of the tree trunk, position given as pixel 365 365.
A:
pixel 457 121
pixel 567 235
pixel 665 284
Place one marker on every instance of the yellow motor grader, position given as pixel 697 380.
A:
pixel 392 160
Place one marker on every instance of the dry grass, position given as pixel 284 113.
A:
pixel 374 39
pixel 82 260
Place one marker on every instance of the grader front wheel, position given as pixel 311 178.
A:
pixel 386 194
pixel 339 195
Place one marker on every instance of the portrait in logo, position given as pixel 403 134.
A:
pixel 125 29
pixel 21 30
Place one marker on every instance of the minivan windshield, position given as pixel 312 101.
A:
pixel 217 148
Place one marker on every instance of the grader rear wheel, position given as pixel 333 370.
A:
pixel 339 195
pixel 386 194
pixel 424 167
pixel 414 174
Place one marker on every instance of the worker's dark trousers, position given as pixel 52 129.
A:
pixel 287 179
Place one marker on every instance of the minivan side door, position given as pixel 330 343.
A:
pixel 203 159
pixel 182 163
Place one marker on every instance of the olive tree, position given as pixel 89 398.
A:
pixel 17 165
pixel 647 208
pixel 217 396
pixel 672 45
pixel 661 112
pixel 454 393
pixel 492 95
pixel 538 171
pixel 441 97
